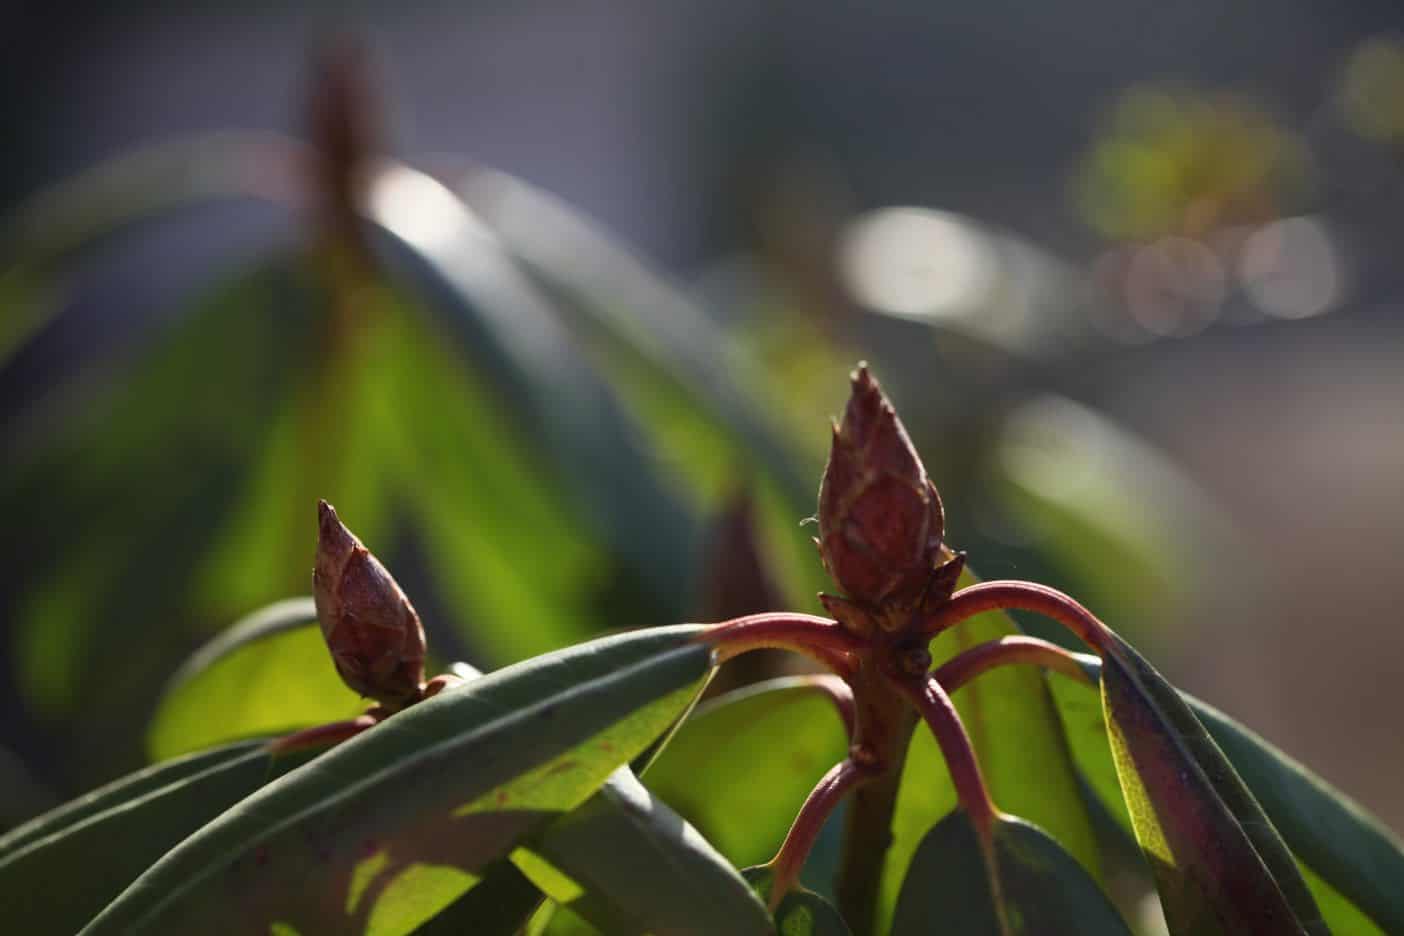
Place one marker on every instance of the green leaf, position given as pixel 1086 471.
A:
pixel 268 674
pixel 1034 887
pixel 628 864
pixel 499 904
pixel 61 869
pixel 778 737
pixel 388 828
pixel 1014 726
pixel 513 332
pixel 1349 860
pixel 1219 863
pixel 802 912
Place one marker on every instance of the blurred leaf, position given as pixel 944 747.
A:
pixel 84 210
pixel 57 873
pixel 1350 861
pixel 1036 888
pixel 144 474
pixel 514 335
pixel 778 737
pixel 628 864
pixel 1014 727
pixel 395 824
pixel 802 912
pixel 268 674
pixel 21 795
pixel 1218 861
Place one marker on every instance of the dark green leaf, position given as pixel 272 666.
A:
pixel 778 737
pixel 629 864
pixel 268 674
pixel 394 825
pixel 1034 887
pixel 498 905
pixel 1219 863
pixel 57 872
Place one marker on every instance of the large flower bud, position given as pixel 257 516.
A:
pixel 373 632
pixel 880 518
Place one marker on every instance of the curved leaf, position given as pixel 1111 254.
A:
pixel 1034 886
pixel 395 824
pixel 1219 863
pixel 628 864
pixel 1014 726
pixel 59 871
pixel 1351 863
pixel 499 904
pixel 778 736
pixel 514 334
pixel 802 912
pixel 268 674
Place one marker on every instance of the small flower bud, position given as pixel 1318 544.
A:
pixel 880 518
pixel 373 632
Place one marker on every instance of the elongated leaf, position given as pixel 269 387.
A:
pixel 268 674
pixel 629 864
pixel 388 828
pixel 802 912
pixel 58 872
pixel 517 341
pixel 1219 863
pixel 1350 861
pixel 1034 887
pixel 1014 726
pixel 778 737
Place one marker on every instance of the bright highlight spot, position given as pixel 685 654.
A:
pixel 916 262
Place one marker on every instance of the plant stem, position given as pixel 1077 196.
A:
pixel 964 667
pixel 817 807
pixel 321 735
pixel 820 638
pixel 1020 596
pixel 941 717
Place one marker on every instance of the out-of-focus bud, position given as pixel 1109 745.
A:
pixel 373 632
pixel 880 518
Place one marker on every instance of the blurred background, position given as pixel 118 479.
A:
pixel 555 305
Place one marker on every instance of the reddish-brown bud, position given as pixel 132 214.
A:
pixel 880 518
pixel 373 632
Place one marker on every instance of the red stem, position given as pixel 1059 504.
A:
pixel 821 638
pixel 960 669
pixel 941 717
pixel 788 861
pixel 321 735
pixel 1019 596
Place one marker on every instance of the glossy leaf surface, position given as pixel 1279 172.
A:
pixel 802 912
pixel 778 737
pixel 1035 887
pixel 387 828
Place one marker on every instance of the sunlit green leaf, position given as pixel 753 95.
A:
pixel 1034 886
pixel 267 674
pixel 778 736
pixel 389 827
